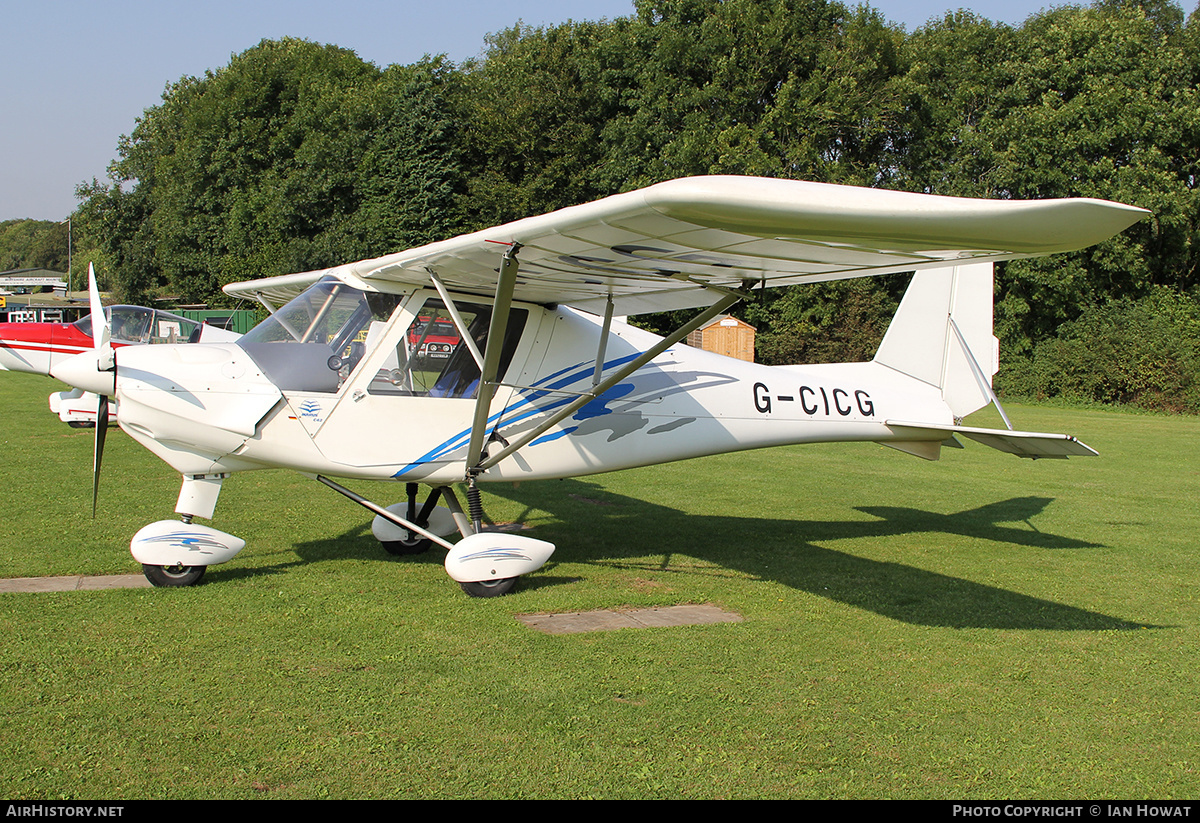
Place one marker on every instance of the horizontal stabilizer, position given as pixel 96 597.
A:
pixel 1022 444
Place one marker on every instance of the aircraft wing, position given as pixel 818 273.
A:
pixel 662 247
pixel 1022 444
pixel 276 290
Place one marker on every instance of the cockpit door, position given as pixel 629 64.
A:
pixel 408 404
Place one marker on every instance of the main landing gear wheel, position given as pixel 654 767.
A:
pixel 413 545
pixel 177 575
pixel 490 588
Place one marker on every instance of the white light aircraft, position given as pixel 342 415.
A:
pixel 545 382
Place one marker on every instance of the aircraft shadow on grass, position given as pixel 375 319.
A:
pixel 790 552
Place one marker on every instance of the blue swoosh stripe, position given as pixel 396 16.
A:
pixel 573 373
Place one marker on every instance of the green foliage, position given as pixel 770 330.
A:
pixel 1092 102
pixel 297 156
pixel 253 173
pixel 33 244
pixel 834 322
pixel 785 88
pixel 1145 353
pixel 293 157
pixel 409 177
pixel 531 113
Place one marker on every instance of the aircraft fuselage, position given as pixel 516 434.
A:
pixel 216 409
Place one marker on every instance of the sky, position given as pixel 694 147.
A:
pixel 77 73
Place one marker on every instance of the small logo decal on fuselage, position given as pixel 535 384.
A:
pixel 310 410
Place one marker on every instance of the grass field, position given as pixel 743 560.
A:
pixel 982 627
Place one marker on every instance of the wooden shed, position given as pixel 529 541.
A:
pixel 725 335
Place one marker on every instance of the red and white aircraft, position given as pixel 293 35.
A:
pixel 39 348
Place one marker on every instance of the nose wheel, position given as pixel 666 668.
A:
pixel 165 547
pixel 490 588
pixel 178 575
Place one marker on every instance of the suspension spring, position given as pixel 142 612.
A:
pixel 474 505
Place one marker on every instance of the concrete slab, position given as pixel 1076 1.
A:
pixel 115 581
pixel 609 619
pixel 74 583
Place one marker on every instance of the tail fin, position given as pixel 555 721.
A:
pixel 942 335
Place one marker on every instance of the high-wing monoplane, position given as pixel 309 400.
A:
pixel 39 347
pixel 545 381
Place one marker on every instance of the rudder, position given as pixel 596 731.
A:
pixel 942 335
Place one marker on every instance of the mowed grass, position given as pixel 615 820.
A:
pixel 981 627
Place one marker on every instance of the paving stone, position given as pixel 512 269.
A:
pixel 74 583
pixel 609 619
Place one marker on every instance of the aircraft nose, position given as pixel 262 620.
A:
pixel 180 391
pixel 88 371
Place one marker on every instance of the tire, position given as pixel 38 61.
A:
pixel 172 576
pixel 490 588
pixel 81 424
pixel 405 547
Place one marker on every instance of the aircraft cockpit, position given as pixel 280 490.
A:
pixel 140 325
pixel 317 340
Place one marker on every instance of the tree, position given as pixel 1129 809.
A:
pixel 532 112
pixel 1078 102
pixel 410 180
pixel 247 172
pixel 776 88
pixel 33 244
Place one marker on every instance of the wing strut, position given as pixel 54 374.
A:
pixel 608 315
pixel 274 312
pixel 491 355
pixel 727 300
pixel 391 517
pixel 463 333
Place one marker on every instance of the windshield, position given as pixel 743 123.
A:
pixel 137 324
pixel 316 340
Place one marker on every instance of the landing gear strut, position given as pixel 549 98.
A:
pixel 484 564
pixel 413 543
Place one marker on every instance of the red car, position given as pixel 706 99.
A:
pixel 432 340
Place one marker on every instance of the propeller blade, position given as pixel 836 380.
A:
pixel 98 453
pixel 101 341
pixel 101 334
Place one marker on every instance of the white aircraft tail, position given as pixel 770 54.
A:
pixel 942 335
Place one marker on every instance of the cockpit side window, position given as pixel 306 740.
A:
pixel 171 328
pixel 431 359
pixel 127 324
pixel 134 324
pixel 131 324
